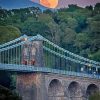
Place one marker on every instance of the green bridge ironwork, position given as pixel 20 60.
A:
pixel 55 59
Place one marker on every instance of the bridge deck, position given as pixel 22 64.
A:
pixel 27 69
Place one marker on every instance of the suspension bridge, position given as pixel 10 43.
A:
pixel 56 59
pixel 37 54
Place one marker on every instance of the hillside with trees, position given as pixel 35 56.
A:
pixel 74 28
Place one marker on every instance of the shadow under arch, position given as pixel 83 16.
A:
pixel 55 90
pixel 91 89
pixel 74 91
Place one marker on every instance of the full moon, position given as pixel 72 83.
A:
pixel 49 3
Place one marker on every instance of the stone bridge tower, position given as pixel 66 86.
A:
pixel 48 86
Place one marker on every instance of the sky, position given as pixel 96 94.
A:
pixel 65 3
pixel 82 3
pixel 9 4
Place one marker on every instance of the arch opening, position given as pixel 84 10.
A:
pixel 92 89
pixel 74 91
pixel 55 90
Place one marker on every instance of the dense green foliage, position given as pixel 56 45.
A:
pixel 74 28
pixel 8 33
pixel 96 96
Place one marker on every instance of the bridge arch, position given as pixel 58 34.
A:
pixel 91 89
pixel 74 91
pixel 55 90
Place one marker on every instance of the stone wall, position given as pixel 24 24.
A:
pixel 74 88
pixel 43 86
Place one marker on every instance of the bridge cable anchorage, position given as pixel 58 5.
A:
pixel 13 41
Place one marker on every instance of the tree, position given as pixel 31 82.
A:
pixel 55 32
pixel 48 11
pixel 8 33
pixel 97 9
pixel 72 8
pixel 72 23
pixel 45 18
pixel 68 39
pixel 33 27
pixel 94 26
pixel 89 7
pixel 82 41
pixel 95 56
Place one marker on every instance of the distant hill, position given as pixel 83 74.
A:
pixel 16 4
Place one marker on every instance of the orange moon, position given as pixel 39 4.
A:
pixel 49 3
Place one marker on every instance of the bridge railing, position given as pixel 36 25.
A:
pixel 31 69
